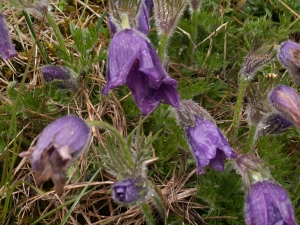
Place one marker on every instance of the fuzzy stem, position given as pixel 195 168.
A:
pixel 251 138
pixel 162 46
pixel 147 213
pixel 238 107
pixel 193 34
pixel 57 33
pixel 118 136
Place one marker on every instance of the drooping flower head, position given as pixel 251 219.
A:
pixel 37 7
pixel 130 191
pixel 7 49
pixel 167 14
pixel 258 56
pixel 208 145
pixel 286 100
pixel 62 75
pixel 59 144
pixel 289 57
pixel 266 201
pixel 133 61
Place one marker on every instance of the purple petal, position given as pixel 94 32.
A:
pixel 143 20
pixel 7 49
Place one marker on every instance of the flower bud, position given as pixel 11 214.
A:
pixel 130 191
pixel 59 144
pixel 273 123
pixel 7 49
pixel 195 4
pixel 289 56
pixel 287 101
pixel 62 75
pixel 256 59
pixel 208 145
pixel 167 14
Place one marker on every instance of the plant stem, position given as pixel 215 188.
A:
pixel 148 214
pixel 238 107
pixel 251 138
pixel 193 34
pixel 162 47
pixel 57 33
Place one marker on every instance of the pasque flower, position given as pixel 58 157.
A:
pixel 62 75
pixel 208 145
pixel 133 61
pixel 286 100
pixel 7 49
pixel 289 56
pixel 129 191
pixel 59 144
pixel 267 203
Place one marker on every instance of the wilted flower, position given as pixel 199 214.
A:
pixel 59 144
pixel 266 201
pixel 62 75
pixel 208 145
pixel 273 123
pixel 37 7
pixel 7 49
pixel 289 56
pixel 133 61
pixel 167 14
pixel 258 56
pixel 287 101
pixel 133 190
pixel 195 4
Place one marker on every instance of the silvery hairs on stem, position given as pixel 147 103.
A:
pixel 125 8
pixel 167 14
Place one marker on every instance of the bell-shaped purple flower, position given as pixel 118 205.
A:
pixel 289 56
pixel 208 145
pixel 133 61
pixel 7 49
pixel 287 101
pixel 62 75
pixel 268 203
pixel 59 144
pixel 130 190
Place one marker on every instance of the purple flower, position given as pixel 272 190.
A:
pixel 59 144
pixel 130 190
pixel 268 203
pixel 7 49
pixel 62 75
pixel 287 101
pixel 133 61
pixel 289 56
pixel 208 145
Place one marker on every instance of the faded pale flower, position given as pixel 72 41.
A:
pixel 133 190
pixel 7 49
pixel 59 144
pixel 208 145
pixel 62 75
pixel 133 61
pixel 37 7
pixel 286 100
pixel 266 201
pixel 289 56
pixel 258 56
pixel 167 14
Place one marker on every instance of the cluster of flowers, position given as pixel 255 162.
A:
pixel 132 60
